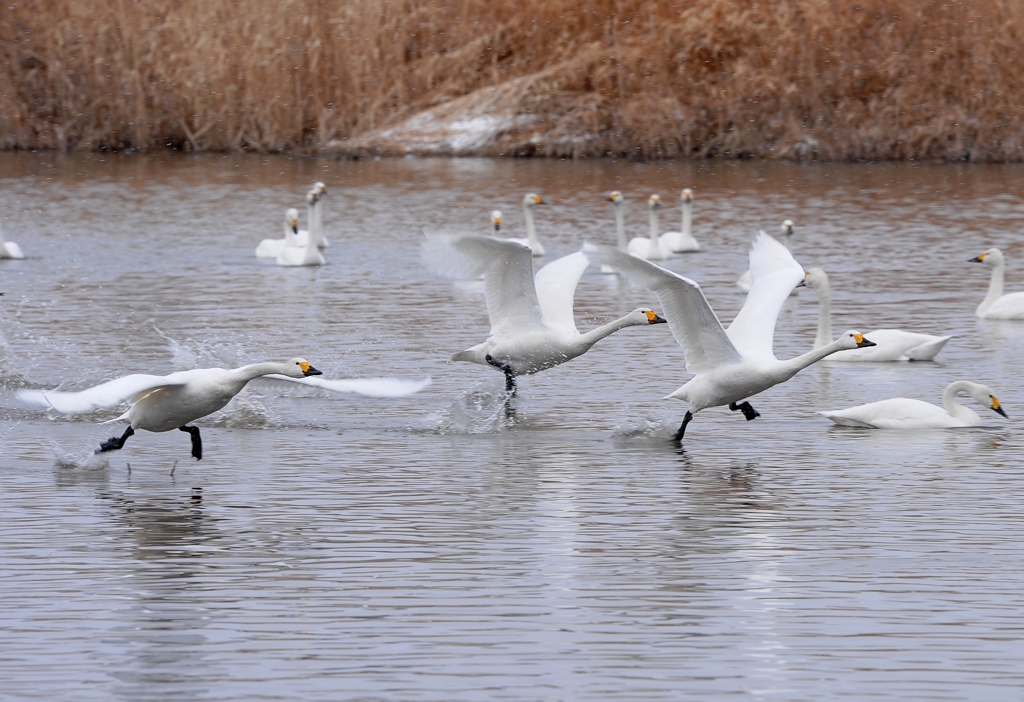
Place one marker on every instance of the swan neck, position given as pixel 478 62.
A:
pixel 795 365
pixel 654 225
pixel 598 333
pixel 257 370
pixel 824 316
pixel 995 286
pixel 687 218
pixel 531 230
pixel 317 225
pixel 954 408
pixel 620 228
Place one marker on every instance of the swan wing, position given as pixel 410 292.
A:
pixel 773 274
pixel 373 387
pixel 556 286
pixel 692 321
pixel 106 394
pixel 507 268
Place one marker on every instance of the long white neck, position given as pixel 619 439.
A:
pixel 654 225
pixel 995 287
pixel 687 218
pixel 243 375
pixel 955 409
pixel 795 365
pixel 824 315
pixel 311 219
pixel 620 227
pixel 2 242
pixel 317 225
pixel 531 230
pixel 598 333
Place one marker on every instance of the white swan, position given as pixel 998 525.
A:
pixel 683 241
pixel 300 252
pixel 317 223
pixel 495 221
pixel 165 402
pixel 905 413
pixel 651 247
pixel 615 197
pixel 530 200
pixel 731 364
pixel 786 230
pixel 8 249
pixel 271 248
pixel 532 326
pixel 890 344
pixel 996 305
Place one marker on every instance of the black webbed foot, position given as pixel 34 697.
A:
pixel 682 427
pixel 114 443
pixel 197 442
pixel 748 411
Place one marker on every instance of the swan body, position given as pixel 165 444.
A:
pixel 8 249
pixel 651 247
pixel 906 413
pixel 683 241
pixel 996 305
pixel 531 200
pixel 272 248
pixel 744 283
pixel 735 363
pixel 890 344
pixel 299 252
pixel 532 325
pixel 163 402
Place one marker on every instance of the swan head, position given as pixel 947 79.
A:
pixel 496 220
pixel 532 199
pixel 311 197
pixel 654 202
pixel 644 315
pixel 787 227
pixel 854 340
pixel 615 197
pixel 992 257
pixel 687 196
pixel 320 189
pixel 291 218
pixel 815 279
pixel 982 394
pixel 300 368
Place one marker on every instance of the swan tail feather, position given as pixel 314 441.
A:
pixel 928 350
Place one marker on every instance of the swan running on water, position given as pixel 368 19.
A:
pixel 786 229
pixel 530 200
pixel 731 364
pixel 652 247
pixel 905 413
pixel 532 325
pixel 165 402
pixel 683 241
pixel 8 249
pixel 890 344
pixel 996 305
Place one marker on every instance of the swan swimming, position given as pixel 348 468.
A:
pixel 787 231
pixel 165 402
pixel 530 200
pixel 8 249
pixel 890 344
pixel 731 364
pixel 996 305
pixel 300 252
pixel 683 241
pixel 532 325
pixel 652 247
pixel 905 413
pixel 271 248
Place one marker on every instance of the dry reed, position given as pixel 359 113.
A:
pixel 799 79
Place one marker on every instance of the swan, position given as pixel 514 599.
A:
pixel 496 221
pixel 271 248
pixel 165 402
pixel 683 241
pixel 651 248
pixel 905 413
pixel 530 201
pixel 890 344
pixel 532 326
pixel 996 305
pixel 317 222
pixel 786 229
pixel 731 364
pixel 615 197
pixel 8 249
pixel 297 253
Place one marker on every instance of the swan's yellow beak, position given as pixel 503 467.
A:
pixel 538 200
pixel 977 259
pixel 295 225
pixel 863 343
pixel 308 370
pixel 687 195
pixel 612 197
pixel 653 318
pixel 996 407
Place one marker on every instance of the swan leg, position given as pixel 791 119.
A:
pixel 114 443
pixel 510 377
pixel 748 411
pixel 197 442
pixel 682 427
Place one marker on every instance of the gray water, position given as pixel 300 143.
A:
pixel 428 548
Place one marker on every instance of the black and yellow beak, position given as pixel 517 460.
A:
pixel 862 342
pixel 308 370
pixel 539 201
pixel 803 283
pixel 295 226
pixel 654 318
pixel 977 259
pixel 995 406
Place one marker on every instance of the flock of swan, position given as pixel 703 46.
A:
pixel 533 328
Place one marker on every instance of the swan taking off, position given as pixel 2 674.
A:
pixel 8 249
pixel 996 305
pixel 731 364
pixel 165 402
pixel 683 241
pixel 786 230
pixel 890 344
pixel 651 247
pixel 905 413
pixel 530 201
pixel 532 325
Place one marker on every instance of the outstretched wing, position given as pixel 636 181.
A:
pixel 774 273
pixel 556 286
pixel 104 395
pixel 691 319
pixel 374 387
pixel 507 268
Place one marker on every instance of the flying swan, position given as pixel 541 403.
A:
pixel 890 344
pixel 683 241
pixel 165 402
pixel 532 325
pixel 905 413
pixel 731 364
pixel 996 305
pixel 530 200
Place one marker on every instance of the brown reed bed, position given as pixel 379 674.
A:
pixel 918 79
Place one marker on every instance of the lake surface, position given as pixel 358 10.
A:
pixel 428 548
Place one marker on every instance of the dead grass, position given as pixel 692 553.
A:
pixel 800 79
